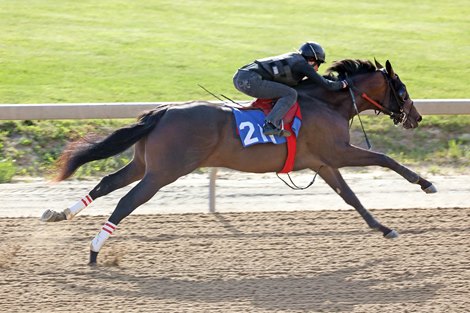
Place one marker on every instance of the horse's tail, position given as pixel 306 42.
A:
pixel 84 150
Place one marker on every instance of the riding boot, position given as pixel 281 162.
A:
pixel 273 121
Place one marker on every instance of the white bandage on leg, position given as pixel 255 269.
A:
pixel 77 207
pixel 102 236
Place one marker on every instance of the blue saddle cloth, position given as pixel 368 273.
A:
pixel 250 127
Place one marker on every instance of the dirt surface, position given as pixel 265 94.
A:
pixel 303 259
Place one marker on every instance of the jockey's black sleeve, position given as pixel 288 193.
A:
pixel 310 73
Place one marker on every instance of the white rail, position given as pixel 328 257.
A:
pixel 131 110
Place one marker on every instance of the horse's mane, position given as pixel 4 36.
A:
pixel 339 70
pixel 349 67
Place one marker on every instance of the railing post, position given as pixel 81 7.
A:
pixel 212 179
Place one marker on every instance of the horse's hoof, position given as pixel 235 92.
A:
pixel 391 234
pixel 53 216
pixel 430 189
pixel 93 258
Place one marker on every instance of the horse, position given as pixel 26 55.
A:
pixel 171 141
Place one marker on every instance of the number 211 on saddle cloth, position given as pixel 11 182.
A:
pixel 250 121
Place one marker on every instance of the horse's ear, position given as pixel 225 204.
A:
pixel 378 65
pixel 389 68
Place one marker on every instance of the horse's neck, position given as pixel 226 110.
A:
pixel 350 103
pixel 332 101
pixel 342 102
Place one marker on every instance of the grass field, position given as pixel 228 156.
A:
pixel 95 51
pixel 113 51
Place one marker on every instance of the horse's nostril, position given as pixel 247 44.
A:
pixel 419 119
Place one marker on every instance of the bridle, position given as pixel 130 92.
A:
pixel 399 117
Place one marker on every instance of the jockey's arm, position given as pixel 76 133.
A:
pixel 310 73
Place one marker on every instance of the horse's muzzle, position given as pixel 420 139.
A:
pixel 413 118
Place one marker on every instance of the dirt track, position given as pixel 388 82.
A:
pixel 320 258
pixel 305 261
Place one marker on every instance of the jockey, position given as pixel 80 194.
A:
pixel 274 77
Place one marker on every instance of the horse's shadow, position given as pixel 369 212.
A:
pixel 335 290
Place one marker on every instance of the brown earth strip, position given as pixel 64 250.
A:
pixel 301 261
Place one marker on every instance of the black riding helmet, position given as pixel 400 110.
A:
pixel 312 50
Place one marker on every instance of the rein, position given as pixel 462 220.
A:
pixel 378 105
pixel 369 146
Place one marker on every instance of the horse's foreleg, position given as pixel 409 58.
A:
pixel 354 156
pixel 123 177
pixel 334 179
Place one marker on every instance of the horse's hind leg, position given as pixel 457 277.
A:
pixel 177 157
pixel 176 147
pixel 130 173
pixel 334 179
pixel 141 193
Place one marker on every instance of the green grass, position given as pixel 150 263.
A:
pixel 7 171
pixel 63 51
pixel 97 51
pixel 34 146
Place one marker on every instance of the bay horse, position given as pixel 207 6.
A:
pixel 172 141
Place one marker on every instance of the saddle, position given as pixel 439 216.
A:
pixel 266 105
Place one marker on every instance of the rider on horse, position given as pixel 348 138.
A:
pixel 274 77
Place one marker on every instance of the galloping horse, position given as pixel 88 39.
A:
pixel 172 141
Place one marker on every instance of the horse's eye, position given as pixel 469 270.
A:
pixel 402 92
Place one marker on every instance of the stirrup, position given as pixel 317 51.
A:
pixel 270 129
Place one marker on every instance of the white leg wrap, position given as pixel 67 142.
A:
pixel 77 207
pixel 102 236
